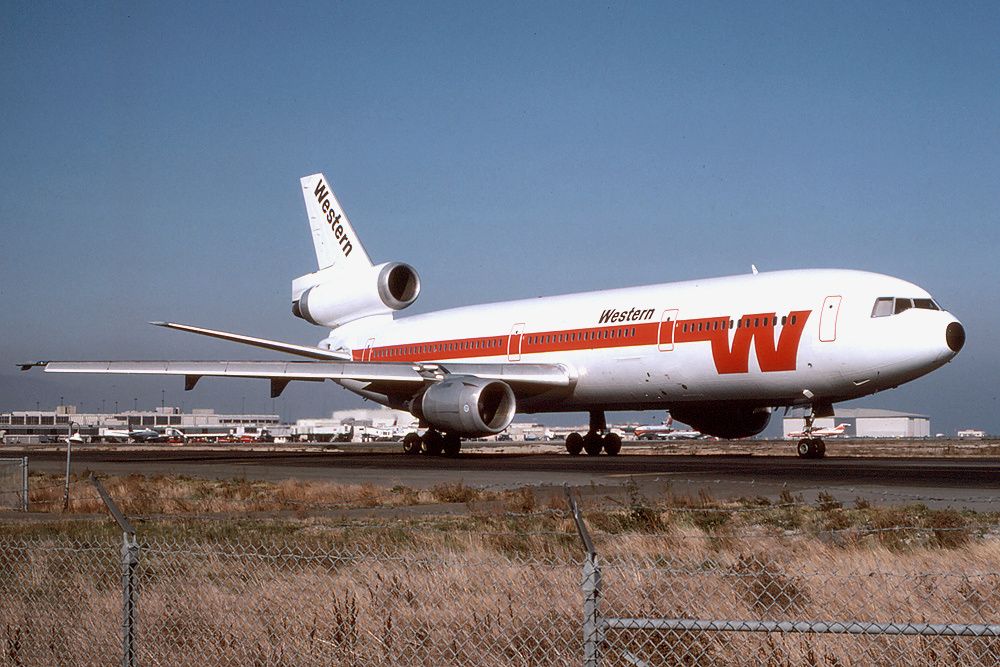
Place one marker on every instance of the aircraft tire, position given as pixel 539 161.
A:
pixel 805 448
pixel 411 443
pixel 574 443
pixel 593 443
pixel 431 443
pixel 452 444
pixel 612 444
pixel 820 447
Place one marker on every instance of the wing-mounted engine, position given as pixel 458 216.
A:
pixel 331 297
pixel 466 405
pixel 723 421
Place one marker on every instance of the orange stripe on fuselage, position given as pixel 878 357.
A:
pixel 734 357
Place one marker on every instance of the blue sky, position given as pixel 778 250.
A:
pixel 152 151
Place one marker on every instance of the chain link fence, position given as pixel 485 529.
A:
pixel 358 595
pixel 14 483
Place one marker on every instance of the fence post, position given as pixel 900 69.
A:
pixel 130 561
pixel 593 634
pixel 24 485
pixel 593 624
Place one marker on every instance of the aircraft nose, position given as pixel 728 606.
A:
pixel 954 335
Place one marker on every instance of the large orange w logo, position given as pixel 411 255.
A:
pixel 756 328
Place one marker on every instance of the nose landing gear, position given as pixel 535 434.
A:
pixel 597 438
pixel 811 447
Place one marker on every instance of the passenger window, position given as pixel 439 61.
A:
pixel 784 318
pixel 903 305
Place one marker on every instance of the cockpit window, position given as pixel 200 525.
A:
pixel 887 305
pixel 883 307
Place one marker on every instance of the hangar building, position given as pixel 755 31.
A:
pixel 866 423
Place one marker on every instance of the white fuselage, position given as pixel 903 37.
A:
pixel 769 339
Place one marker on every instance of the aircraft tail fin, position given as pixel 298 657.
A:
pixel 347 286
pixel 333 235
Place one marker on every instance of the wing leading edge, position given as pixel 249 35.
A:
pixel 383 377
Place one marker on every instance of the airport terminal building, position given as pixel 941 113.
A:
pixel 33 426
pixel 866 423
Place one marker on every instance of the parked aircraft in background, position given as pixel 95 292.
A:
pixel 718 353
pixel 130 435
pixel 825 432
pixel 665 431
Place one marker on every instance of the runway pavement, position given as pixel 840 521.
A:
pixel 972 483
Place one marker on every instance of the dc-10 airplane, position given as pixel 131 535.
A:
pixel 720 354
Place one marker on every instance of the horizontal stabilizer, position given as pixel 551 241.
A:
pixel 277 346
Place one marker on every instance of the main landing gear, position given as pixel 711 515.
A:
pixel 811 447
pixel 432 443
pixel 597 438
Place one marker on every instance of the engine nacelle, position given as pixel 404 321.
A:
pixel 724 421
pixel 329 298
pixel 468 406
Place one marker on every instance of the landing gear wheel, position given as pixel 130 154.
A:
pixel 431 443
pixel 811 448
pixel 805 448
pixel 574 443
pixel 411 443
pixel 452 444
pixel 592 443
pixel 612 444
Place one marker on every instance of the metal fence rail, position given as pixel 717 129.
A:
pixel 349 596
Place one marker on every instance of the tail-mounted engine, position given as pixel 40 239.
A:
pixel 467 406
pixel 330 298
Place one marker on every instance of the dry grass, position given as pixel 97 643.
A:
pixel 177 495
pixel 496 585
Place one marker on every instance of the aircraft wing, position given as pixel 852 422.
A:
pixel 380 377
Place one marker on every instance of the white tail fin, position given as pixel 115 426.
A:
pixel 334 237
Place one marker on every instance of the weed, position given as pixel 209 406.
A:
pixel 827 503
pixel 765 587
pixel 949 529
pixel 455 493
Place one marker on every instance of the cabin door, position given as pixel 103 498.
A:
pixel 828 319
pixel 665 336
pixel 514 342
